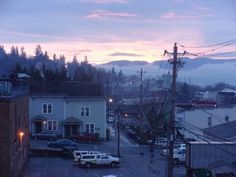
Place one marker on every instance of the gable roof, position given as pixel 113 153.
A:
pixel 69 88
pixel 71 120
pixel 225 131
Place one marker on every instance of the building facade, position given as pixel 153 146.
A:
pixel 14 130
pixel 68 112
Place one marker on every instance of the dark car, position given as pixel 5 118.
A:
pixel 45 136
pixel 86 137
pixel 63 143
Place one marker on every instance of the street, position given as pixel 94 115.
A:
pixel 136 161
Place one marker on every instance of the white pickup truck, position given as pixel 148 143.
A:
pixel 179 155
pixel 90 160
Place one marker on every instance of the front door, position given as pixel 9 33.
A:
pixel 38 126
pixel 67 131
pixel 74 129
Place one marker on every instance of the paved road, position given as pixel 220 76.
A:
pixel 136 161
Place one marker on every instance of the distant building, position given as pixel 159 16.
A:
pixel 195 120
pixel 225 131
pixel 68 108
pixel 14 128
pixel 226 98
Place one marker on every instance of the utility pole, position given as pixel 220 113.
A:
pixel 141 85
pixel 141 102
pixel 118 132
pixel 171 122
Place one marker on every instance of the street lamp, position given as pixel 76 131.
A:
pixel 44 125
pixel 108 109
pixel 21 134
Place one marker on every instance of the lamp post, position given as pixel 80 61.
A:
pixel 21 134
pixel 110 100
pixel 44 125
pixel 118 132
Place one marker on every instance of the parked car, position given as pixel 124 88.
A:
pixel 164 152
pixel 79 154
pixel 98 160
pixel 179 156
pixel 62 144
pixel 161 142
pixel 47 135
pixel 86 137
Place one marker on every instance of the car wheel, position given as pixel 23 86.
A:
pixel 113 164
pixel 176 161
pixel 88 165
pixel 35 137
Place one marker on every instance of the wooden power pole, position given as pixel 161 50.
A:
pixel 171 122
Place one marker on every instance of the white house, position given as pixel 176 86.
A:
pixel 68 113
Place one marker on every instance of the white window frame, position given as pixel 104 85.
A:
pixel 47 108
pixel 89 127
pixel 52 122
pixel 84 109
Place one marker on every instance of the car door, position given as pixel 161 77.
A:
pixel 182 155
pixel 99 160
pixel 104 160
pixel 61 144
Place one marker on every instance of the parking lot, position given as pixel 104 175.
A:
pixel 135 161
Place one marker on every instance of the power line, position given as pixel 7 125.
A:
pixel 205 139
pixel 206 46
pixel 219 54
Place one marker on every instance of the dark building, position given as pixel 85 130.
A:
pixel 14 128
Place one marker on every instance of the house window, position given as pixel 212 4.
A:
pixel 226 118
pixel 84 111
pixel 209 121
pixel 89 128
pixel 47 108
pixel 52 125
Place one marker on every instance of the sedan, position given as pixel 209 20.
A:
pixel 45 135
pixel 86 137
pixel 63 143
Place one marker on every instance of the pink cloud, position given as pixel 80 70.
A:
pixel 101 14
pixel 197 14
pixel 105 1
pixel 179 1
pixel 174 16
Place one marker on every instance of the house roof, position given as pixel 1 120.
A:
pixel 227 90
pixel 69 88
pixel 225 131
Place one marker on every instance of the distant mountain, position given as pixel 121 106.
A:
pixel 201 71
pixel 196 63
pixel 122 63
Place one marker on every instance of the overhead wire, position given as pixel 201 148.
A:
pixel 205 139
pixel 220 54
pixel 213 115
pixel 206 46
pixel 217 46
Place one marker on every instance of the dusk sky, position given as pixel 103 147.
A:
pixel 106 30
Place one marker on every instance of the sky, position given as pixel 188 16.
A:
pixel 108 30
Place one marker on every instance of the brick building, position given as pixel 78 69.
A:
pixel 14 128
